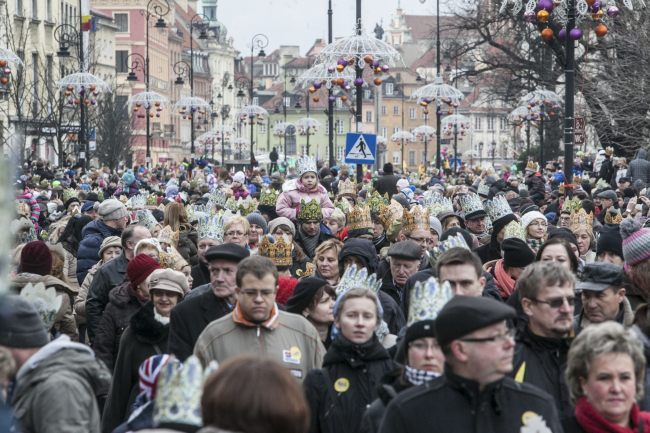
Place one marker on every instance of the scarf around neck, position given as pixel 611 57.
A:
pixel 593 422
pixel 271 323
pixel 535 244
pixel 418 377
pixel 309 242
pixel 505 283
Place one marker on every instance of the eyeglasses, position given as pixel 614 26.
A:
pixel 506 336
pixel 557 302
pixel 422 240
pixel 253 294
pixel 539 223
pixel 233 234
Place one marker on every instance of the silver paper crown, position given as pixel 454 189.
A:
pixel 194 212
pixel 217 198
pixel 179 391
pixel 483 189
pixel 497 208
pixel 146 218
pixel 353 278
pixel 451 242
pixel 470 203
pixel 437 203
pixel 45 301
pixel 211 227
pixel 522 187
pixel 305 164
pixel 427 299
pixel 231 204
pixel 137 202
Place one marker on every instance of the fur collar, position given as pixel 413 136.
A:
pixel 146 328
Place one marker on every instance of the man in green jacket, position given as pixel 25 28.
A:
pixel 257 326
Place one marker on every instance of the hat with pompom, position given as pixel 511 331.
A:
pixel 636 242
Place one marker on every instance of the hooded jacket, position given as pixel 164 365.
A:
pixel 639 167
pixel 109 276
pixel 293 191
pixel 93 234
pixel 58 389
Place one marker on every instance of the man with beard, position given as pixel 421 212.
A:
pixel 547 298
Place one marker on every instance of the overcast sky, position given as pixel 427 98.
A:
pixel 300 22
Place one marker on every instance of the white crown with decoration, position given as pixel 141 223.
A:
pixel 217 198
pixel 497 208
pixel 471 204
pixel 457 241
pixel 146 218
pixel 194 212
pixel 514 229
pixel 306 164
pixel 483 189
pixel 353 278
pixel 427 299
pixel 137 202
pixel 211 227
pixel 45 300
pixel 437 203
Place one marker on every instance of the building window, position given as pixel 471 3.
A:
pixel 477 123
pixel 19 8
pixel 210 12
pixel 48 10
pixel 256 100
pixel 287 101
pixel 49 74
pixel 262 128
pixel 339 153
pixel 122 22
pixel 411 157
pixel 396 157
pixel 395 110
pixel 490 123
pixel 384 131
pixel 383 110
pixel 395 130
pixel 503 123
pixel 121 61
pixel 339 103
pixel 389 88
pixel 367 94
pixel 338 125
pixel 35 9
pixel 368 116
pixel 35 84
pixel 413 113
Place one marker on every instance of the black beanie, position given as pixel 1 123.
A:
pixel 421 329
pixel 303 294
pixel 500 223
pixel 564 233
pixel 516 253
pixel 610 240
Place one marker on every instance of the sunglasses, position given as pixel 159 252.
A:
pixel 557 302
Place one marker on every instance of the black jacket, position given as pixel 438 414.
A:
pixel 392 384
pixel 200 275
pixel 454 404
pixel 542 362
pixel 144 337
pixel 109 276
pixel 189 318
pixel 339 393
pixel 607 172
pixel 490 251
pixel 387 183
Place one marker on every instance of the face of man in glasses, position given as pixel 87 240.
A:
pixel 550 314
pixel 423 237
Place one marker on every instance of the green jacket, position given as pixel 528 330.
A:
pixel 58 388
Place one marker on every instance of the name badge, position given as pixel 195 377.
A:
pixel 292 356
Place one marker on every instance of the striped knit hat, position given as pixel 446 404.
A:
pixel 636 242
pixel 148 374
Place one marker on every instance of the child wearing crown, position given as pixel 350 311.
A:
pixel 307 188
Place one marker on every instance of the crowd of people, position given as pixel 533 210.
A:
pixel 197 299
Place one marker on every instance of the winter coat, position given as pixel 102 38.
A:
pixel 109 276
pixel 190 317
pixel 88 253
pixel 339 393
pixel 454 404
pixel 322 237
pixel 200 275
pixel 392 384
pixel 625 317
pixel 607 172
pixel 82 296
pixel 59 388
pixel 288 202
pixel 541 362
pixel 536 188
pixel 122 305
pixel 144 337
pixel 644 404
pixel 28 197
pixel 70 269
pixel 292 341
pixel 65 322
pixel 639 167
pixel 386 184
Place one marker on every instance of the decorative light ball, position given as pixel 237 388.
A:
pixel 151 115
pixel 590 2
pixel 375 64
pixel 351 61
pixel 344 98
pixel 157 103
pixel 93 102
pixel 547 34
pixel 3 63
pixel 425 111
pixel 385 69
pixel 424 103
pixel 316 98
pixel 330 69
pixel 342 62
pixel 542 16
pixel 377 70
pixel 69 88
pixel 184 117
pixel 368 59
pixel 347 87
pixel 312 89
pixel 575 33
pixel 561 34
pixel 546 5
pixel 340 68
pixel 377 81
pixel 601 30
pixel 597 16
pixel 613 11
pixel 4 80
pixel 358 81
pixel 317 85
pixel 8 71
pixel 530 16
pixel 92 87
pixel 331 98
pixel 135 109
pixel 340 81
pixel 596 6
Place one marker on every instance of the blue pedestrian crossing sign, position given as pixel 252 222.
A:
pixel 360 148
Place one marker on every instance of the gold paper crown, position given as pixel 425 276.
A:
pixel 391 213
pixel 68 193
pixel 347 187
pixel 581 220
pixel 246 205
pixel 377 202
pixel 415 218
pixel 427 299
pixel 310 268
pixel 532 166
pixel 269 197
pixel 123 199
pixel 152 200
pixel 577 180
pixel 172 259
pixel 613 216
pixel 609 150
pixel 309 211
pixel 169 236
pixel 359 218
pixel 572 205
pixel 276 249
pixel 514 230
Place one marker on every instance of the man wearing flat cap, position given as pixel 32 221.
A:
pixel 208 302
pixel 603 296
pixel 608 198
pixel 403 261
pixel 474 389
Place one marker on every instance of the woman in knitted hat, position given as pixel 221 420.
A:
pixel 314 298
pixel 636 252
pixel 123 302
pixel 535 225
pixel 146 336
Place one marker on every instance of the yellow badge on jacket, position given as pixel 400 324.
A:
pixel 341 384
pixel 292 356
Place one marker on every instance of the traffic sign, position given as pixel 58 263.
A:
pixel 360 148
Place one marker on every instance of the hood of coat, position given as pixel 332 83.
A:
pixel 363 249
pixel 62 356
pixel 146 328
pixel 356 355
pixel 121 295
pixel 641 154
pixel 24 278
pixel 99 227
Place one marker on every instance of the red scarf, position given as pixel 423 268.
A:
pixel 594 422
pixel 505 283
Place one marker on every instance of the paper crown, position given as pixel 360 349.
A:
pixel 581 220
pixel 123 199
pixel 571 205
pixel 217 198
pixel 613 216
pixel 522 187
pixel 353 278
pixel 152 200
pixel 497 208
pixel 309 211
pixel 172 259
pixel 169 236
pixel 276 249
pixel 343 204
pixel 310 269
pixel 377 202
pixel 609 150
pixel 347 187
pixel 427 299
pixel 68 193
pixel 146 219
pixel 194 212
pixel 390 213
pixel 436 203
pixel 359 218
pixel 137 202
pixel 179 391
pixel 306 164
pixel 211 227
pixel 415 218
pixel 514 230
pixel 532 166
pixel 269 197
pixel 46 302
pixel 471 205
pixel 483 189
pixel 451 242
pixel 246 205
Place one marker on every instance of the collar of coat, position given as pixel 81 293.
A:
pixel 271 323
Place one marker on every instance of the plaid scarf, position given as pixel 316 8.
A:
pixel 418 377
pixel 535 244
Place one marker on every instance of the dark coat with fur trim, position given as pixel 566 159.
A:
pixel 144 337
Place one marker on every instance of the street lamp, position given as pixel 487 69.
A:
pixel 455 124
pixel 260 41
pixel 480 154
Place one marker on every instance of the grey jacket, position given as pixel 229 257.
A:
pixel 58 388
pixel 639 167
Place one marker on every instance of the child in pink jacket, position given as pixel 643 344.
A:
pixel 306 188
